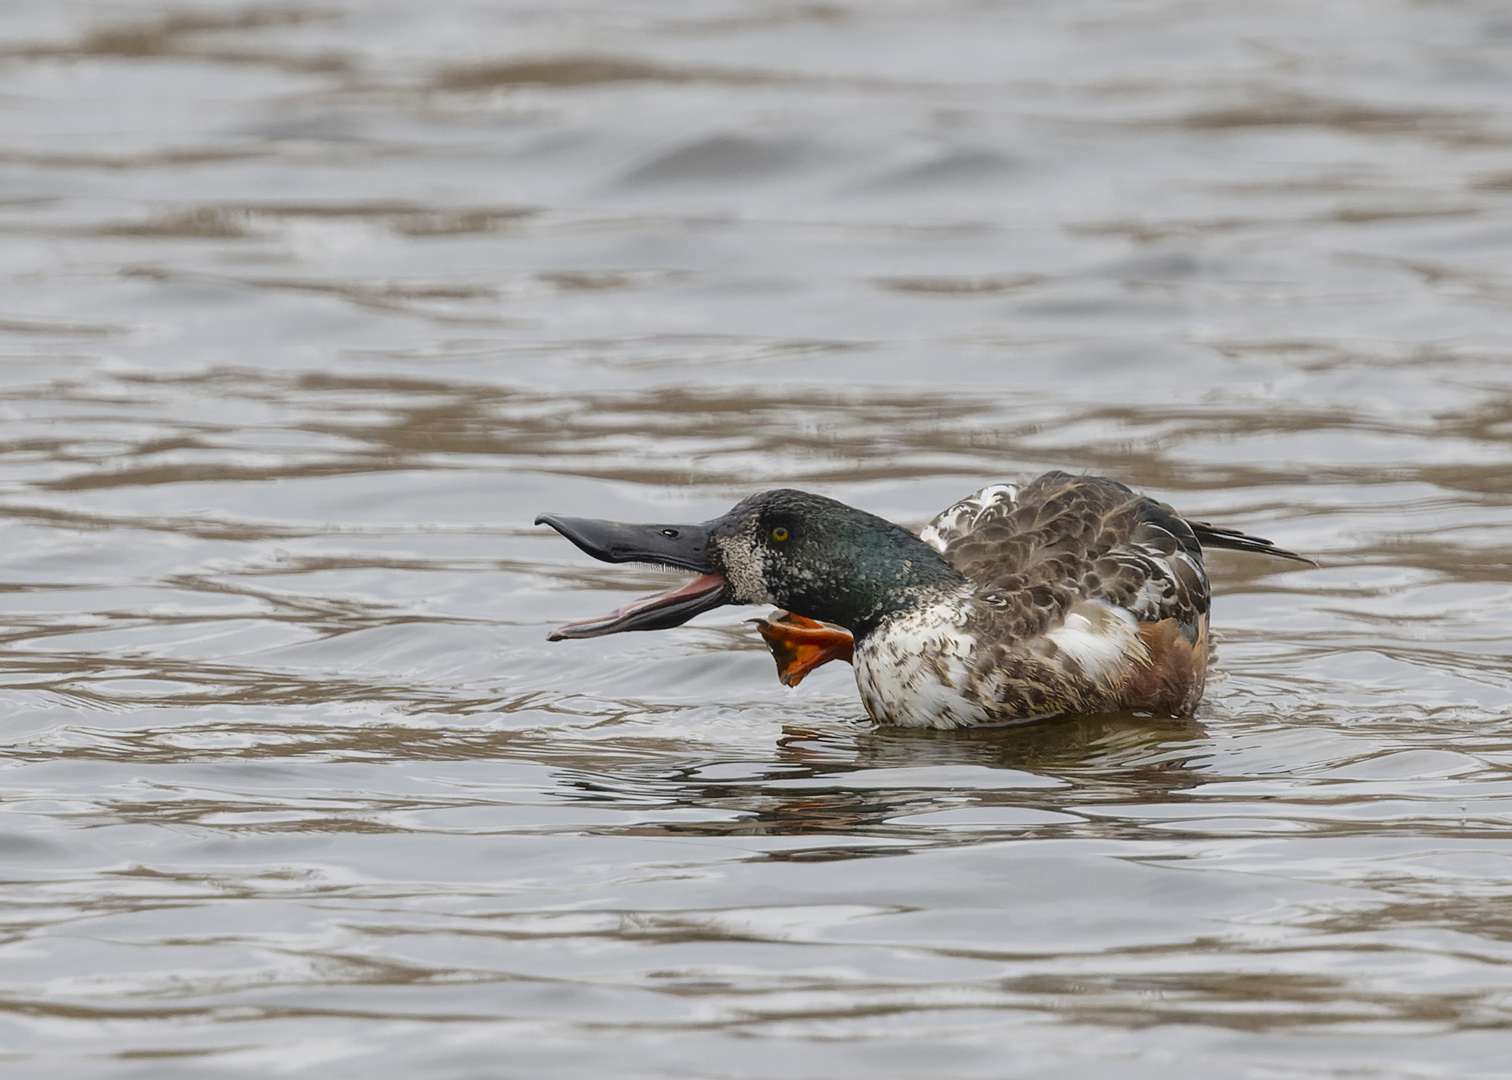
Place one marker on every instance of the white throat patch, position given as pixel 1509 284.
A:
pixel 745 568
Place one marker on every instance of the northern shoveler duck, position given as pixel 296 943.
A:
pixel 1065 595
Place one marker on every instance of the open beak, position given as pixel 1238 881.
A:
pixel 685 546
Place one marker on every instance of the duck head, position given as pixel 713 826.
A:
pixel 816 557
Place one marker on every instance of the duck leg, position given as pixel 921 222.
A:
pixel 800 645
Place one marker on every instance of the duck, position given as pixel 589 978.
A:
pixel 1066 595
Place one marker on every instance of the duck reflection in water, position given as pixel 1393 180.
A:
pixel 1063 596
pixel 887 783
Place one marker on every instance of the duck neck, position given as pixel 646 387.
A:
pixel 909 574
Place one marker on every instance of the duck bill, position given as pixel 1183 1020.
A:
pixel 659 612
pixel 685 546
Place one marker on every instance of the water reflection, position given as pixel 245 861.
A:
pixel 855 782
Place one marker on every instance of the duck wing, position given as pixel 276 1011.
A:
pixel 1040 547
pixel 1035 550
pixel 1088 595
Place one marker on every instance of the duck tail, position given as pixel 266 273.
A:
pixel 1213 536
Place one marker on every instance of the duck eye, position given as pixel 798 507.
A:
pixel 779 533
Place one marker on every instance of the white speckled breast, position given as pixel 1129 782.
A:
pixel 915 669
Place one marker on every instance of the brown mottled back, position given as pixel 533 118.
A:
pixel 1036 549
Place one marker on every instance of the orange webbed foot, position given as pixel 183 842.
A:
pixel 799 645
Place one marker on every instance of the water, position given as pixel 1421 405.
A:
pixel 308 311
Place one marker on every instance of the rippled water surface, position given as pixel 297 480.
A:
pixel 309 309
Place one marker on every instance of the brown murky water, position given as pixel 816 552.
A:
pixel 309 309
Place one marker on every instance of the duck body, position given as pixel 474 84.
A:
pixel 1066 595
pixel 1081 597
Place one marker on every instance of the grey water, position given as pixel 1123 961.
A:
pixel 309 309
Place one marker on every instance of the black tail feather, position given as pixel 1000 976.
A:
pixel 1213 536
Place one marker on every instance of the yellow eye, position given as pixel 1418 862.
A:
pixel 779 533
